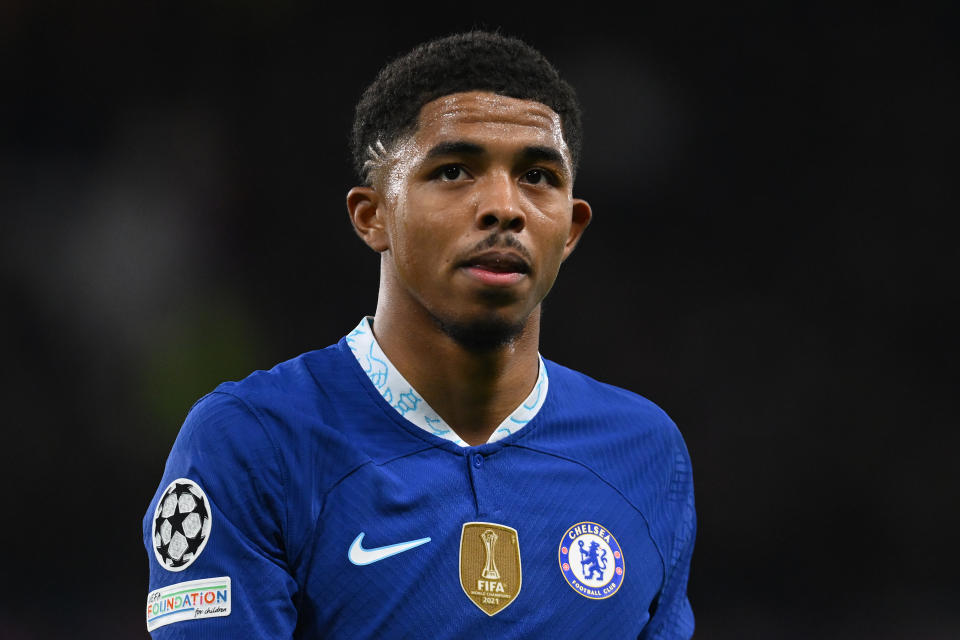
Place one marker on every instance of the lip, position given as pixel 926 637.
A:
pixel 496 268
pixel 498 262
pixel 495 278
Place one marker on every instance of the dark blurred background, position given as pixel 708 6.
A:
pixel 771 261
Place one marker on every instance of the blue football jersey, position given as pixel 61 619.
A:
pixel 298 503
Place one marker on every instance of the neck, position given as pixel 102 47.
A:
pixel 472 390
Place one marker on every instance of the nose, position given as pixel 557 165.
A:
pixel 499 203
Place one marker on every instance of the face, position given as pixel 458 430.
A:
pixel 474 212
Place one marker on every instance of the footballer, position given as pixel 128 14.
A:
pixel 430 474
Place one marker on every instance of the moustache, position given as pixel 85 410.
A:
pixel 501 240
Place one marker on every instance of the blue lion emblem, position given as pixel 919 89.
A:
pixel 592 560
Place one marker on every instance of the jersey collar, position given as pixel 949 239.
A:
pixel 400 395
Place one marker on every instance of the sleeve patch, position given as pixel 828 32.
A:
pixel 181 524
pixel 193 600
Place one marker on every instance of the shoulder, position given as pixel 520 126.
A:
pixel 298 380
pixel 247 410
pixel 284 418
pixel 275 429
pixel 617 411
pixel 624 438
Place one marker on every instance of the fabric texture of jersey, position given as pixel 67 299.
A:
pixel 401 395
pixel 297 462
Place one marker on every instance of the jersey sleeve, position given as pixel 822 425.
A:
pixel 214 531
pixel 673 616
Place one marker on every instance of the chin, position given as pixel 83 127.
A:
pixel 485 333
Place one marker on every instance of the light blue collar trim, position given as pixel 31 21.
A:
pixel 400 395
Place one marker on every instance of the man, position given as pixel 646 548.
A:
pixel 431 475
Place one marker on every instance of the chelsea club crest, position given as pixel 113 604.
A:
pixel 591 560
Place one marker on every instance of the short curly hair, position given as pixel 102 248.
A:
pixel 472 61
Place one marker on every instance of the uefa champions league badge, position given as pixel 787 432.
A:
pixel 591 560
pixel 181 524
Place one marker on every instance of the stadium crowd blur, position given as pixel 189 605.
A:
pixel 769 262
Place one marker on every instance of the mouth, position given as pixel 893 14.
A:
pixel 499 268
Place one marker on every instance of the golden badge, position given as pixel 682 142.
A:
pixel 490 565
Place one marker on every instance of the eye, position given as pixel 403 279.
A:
pixel 452 173
pixel 538 177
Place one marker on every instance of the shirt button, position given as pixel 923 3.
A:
pixel 477 460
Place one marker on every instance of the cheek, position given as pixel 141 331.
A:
pixel 550 218
pixel 553 249
pixel 417 246
pixel 554 236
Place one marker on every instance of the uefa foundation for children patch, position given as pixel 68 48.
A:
pixel 193 600
pixel 181 524
pixel 591 560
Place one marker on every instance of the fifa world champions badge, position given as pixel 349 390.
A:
pixel 591 560
pixel 490 571
pixel 181 524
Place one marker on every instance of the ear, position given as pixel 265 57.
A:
pixel 582 214
pixel 363 204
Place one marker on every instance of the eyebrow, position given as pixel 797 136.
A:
pixel 455 148
pixel 543 154
pixel 531 154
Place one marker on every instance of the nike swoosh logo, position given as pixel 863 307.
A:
pixel 360 556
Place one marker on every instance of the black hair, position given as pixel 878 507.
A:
pixel 471 61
